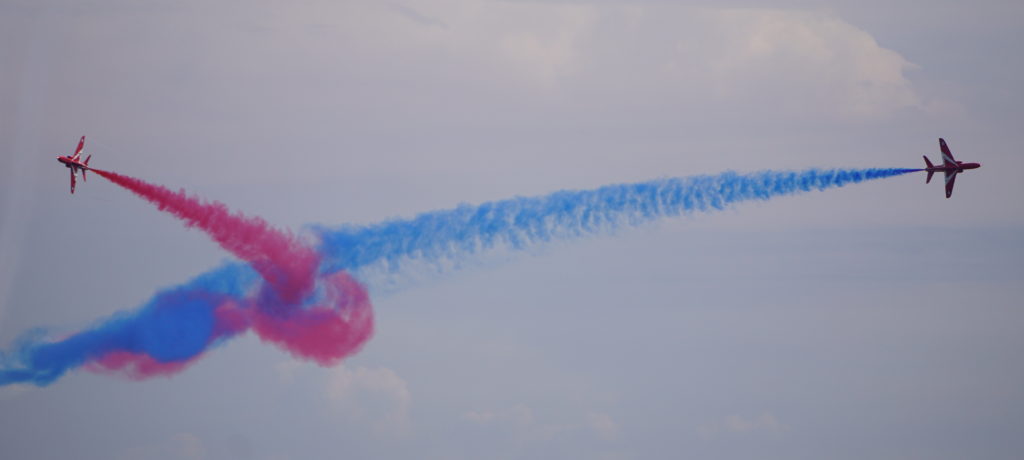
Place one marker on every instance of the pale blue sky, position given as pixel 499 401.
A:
pixel 875 321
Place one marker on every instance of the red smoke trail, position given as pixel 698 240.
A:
pixel 326 332
pixel 287 265
pixel 337 323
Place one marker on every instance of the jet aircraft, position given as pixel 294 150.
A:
pixel 949 166
pixel 74 163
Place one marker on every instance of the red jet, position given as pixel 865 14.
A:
pixel 75 163
pixel 949 166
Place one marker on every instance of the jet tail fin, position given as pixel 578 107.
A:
pixel 929 165
pixel 87 160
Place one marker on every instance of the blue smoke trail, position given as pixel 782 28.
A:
pixel 521 222
pixel 173 326
pixel 176 322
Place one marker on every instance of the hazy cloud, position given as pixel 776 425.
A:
pixel 522 421
pixel 287 370
pixel 603 425
pixel 790 61
pixel 181 446
pixel 13 390
pixel 818 62
pixel 737 424
pixel 518 415
pixel 189 446
pixel 374 395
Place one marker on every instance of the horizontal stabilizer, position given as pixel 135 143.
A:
pixel 928 165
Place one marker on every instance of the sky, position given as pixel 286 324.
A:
pixel 879 320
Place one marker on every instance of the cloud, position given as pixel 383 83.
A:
pixel 378 396
pixel 416 16
pixel 181 446
pixel 14 390
pixel 189 446
pixel 522 421
pixel 735 424
pixel 814 58
pixel 621 55
pixel 518 415
pixel 768 61
pixel 603 425
pixel 549 48
pixel 287 370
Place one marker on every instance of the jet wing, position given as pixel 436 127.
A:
pixel 950 180
pixel 947 156
pixel 78 150
pixel 72 180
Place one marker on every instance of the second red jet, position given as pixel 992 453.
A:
pixel 74 162
pixel 949 166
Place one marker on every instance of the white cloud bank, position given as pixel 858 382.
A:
pixel 826 63
pixel 472 58
pixel 779 61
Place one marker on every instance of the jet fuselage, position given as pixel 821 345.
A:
pixel 959 168
pixel 70 163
